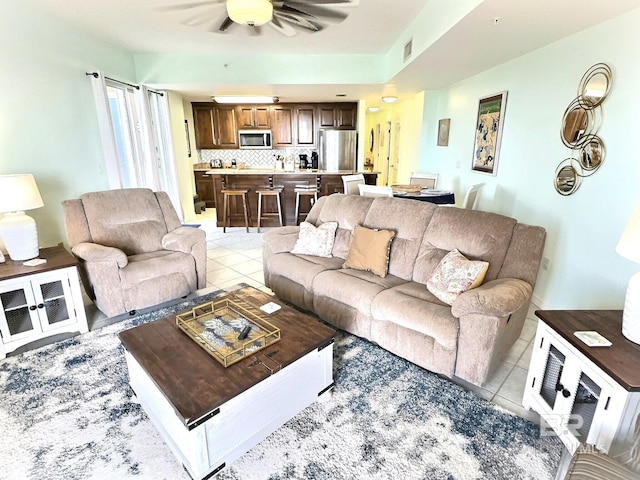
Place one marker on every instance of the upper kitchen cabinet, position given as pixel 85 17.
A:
pixel 282 126
pixel 215 126
pixel 254 116
pixel 305 128
pixel 337 115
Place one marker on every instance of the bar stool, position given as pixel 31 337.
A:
pixel 304 192
pixel 269 192
pixel 226 213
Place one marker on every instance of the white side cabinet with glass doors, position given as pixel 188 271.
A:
pixel 586 395
pixel 40 301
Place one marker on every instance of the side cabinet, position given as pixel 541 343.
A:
pixel 39 305
pixel 576 399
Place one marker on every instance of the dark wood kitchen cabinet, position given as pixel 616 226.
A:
pixel 205 189
pixel 282 126
pixel 337 115
pixel 254 116
pixel 215 126
pixel 305 126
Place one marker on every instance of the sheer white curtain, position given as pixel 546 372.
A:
pixel 136 137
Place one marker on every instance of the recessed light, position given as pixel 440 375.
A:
pixel 389 99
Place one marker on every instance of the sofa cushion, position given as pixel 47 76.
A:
pixel 348 211
pixel 301 269
pixel 409 219
pixel 369 250
pixel 355 288
pixel 317 241
pixel 454 275
pixel 478 235
pixel 411 306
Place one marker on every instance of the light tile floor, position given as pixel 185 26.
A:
pixel 236 256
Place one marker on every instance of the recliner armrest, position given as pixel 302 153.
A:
pixel 183 239
pixel 500 297
pixel 93 252
pixel 281 239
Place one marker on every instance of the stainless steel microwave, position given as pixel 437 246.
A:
pixel 255 139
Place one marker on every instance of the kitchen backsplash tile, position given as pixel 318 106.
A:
pixel 251 158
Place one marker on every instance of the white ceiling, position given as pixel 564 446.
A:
pixel 474 44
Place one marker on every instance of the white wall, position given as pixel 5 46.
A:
pixel 48 121
pixel 584 228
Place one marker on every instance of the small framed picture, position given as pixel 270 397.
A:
pixel 443 132
pixel 489 133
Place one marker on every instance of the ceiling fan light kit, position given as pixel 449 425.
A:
pixel 250 12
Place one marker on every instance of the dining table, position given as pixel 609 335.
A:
pixel 440 197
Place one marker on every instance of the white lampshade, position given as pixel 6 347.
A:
pixel 629 247
pixel 17 194
pixel 250 12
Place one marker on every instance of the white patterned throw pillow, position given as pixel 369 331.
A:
pixel 316 241
pixel 456 274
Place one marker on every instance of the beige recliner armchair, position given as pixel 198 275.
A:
pixel 133 250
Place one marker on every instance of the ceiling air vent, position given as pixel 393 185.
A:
pixel 407 50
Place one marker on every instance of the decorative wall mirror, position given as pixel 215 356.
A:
pixel 580 125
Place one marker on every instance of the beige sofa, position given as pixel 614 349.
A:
pixel 398 312
pixel 133 250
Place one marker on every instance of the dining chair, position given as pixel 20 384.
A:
pixel 375 191
pixel 425 180
pixel 350 183
pixel 471 197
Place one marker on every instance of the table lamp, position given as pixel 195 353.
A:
pixel 629 247
pixel 18 230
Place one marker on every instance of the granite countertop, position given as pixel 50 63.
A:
pixel 204 167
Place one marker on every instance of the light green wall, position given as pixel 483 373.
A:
pixel 584 228
pixel 48 121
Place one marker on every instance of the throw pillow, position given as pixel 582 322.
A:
pixel 369 250
pixel 316 241
pixel 456 274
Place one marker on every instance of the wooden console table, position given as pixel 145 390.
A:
pixel 586 395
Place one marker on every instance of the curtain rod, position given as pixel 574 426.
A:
pixel 137 87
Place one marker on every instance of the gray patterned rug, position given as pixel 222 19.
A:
pixel 66 414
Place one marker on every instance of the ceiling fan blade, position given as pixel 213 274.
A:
pixel 226 23
pixel 281 27
pixel 186 6
pixel 315 11
pixel 255 30
pixel 343 3
pixel 297 21
pixel 200 19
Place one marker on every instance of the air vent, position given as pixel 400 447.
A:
pixel 407 49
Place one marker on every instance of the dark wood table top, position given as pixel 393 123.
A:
pixel 194 382
pixel 444 198
pixel 57 257
pixel 621 361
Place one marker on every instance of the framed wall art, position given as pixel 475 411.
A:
pixel 443 132
pixel 489 133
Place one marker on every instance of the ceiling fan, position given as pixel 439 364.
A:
pixel 285 16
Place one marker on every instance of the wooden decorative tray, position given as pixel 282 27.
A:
pixel 215 326
pixel 406 188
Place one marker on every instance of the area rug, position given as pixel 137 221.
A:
pixel 66 412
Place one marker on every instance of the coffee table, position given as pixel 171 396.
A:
pixel 210 415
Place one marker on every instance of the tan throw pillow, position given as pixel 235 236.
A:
pixel 456 274
pixel 369 250
pixel 316 241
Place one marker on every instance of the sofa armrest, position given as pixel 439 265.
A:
pixel 93 252
pixel 500 297
pixel 183 239
pixel 281 239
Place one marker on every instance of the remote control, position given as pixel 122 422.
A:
pixel 244 333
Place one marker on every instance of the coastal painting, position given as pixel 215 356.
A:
pixel 489 133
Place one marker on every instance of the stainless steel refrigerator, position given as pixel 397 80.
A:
pixel 337 150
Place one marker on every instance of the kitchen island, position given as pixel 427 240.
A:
pixel 257 178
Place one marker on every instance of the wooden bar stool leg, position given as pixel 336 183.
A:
pixel 224 213
pixel 246 214
pixel 279 208
pixel 259 209
pixel 297 208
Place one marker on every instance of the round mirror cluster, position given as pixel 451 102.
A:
pixel 580 125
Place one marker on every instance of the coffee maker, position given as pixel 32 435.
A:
pixel 304 162
pixel 314 160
